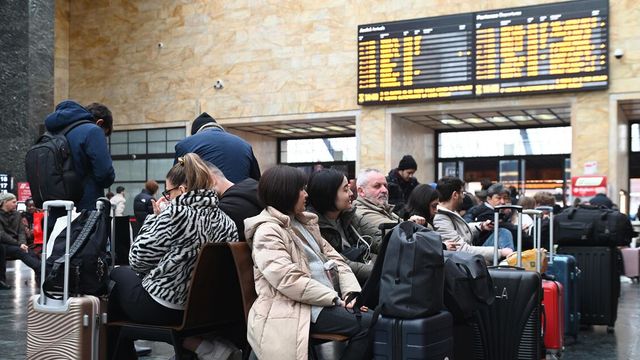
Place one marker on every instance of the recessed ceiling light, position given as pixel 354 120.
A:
pixel 545 117
pixel 352 126
pixel 336 128
pixel 474 120
pixel 521 118
pixel 498 119
pixel 283 131
pixel 318 129
pixel 451 121
pixel 299 130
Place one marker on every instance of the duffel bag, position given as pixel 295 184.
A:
pixel 467 284
pixel 587 225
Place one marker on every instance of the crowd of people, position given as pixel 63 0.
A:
pixel 313 239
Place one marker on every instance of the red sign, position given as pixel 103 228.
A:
pixel 24 192
pixel 589 185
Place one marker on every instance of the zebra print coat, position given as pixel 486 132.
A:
pixel 167 245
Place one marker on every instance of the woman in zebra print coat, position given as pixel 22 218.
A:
pixel 154 289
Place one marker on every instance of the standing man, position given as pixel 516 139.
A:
pixel 143 202
pixel 230 153
pixel 88 145
pixel 401 182
pixel 119 200
pixel 372 206
pixel 12 238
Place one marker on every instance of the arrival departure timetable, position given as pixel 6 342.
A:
pixel 536 49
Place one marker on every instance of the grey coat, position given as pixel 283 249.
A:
pixel 451 226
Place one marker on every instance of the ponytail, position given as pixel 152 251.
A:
pixel 191 172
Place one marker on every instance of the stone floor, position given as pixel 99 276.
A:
pixel 593 343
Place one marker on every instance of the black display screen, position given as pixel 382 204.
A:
pixel 534 49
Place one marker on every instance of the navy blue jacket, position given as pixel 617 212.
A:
pixel 142 206
pixel 230 153
pixel 91 157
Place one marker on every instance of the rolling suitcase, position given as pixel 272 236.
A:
pixel 510 328
pixel 552 298
pixel 65 328
pixel 631 260
pixel 565 270
pixel 599 285
pixel 429 338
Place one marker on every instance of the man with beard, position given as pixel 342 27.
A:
pixel 372 206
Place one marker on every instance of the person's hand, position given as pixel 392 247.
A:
pixel 451 245
pixel 486 225
pixel 159 205
pixel 418 219
pixel 24 247
pixel 504 252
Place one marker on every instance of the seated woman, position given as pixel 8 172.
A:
pixel 422 205
pixel 301 280
pixel 330 199
pixel 154 289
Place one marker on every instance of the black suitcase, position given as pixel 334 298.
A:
pixel 510 328
pixel 599 283
pixel 428 338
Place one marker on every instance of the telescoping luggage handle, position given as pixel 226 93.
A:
pixel 537 234
pixel 549 209
pixel 496 220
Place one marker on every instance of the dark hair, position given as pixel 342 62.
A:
pixel 119 189
pixel 447 186
pixel 109 195
pixel 420 199
pixel 100 111
pixel 151 186
pixel 467 202
pixel 323 189
pixel 280 186
pixel 191 172
pixel 497 189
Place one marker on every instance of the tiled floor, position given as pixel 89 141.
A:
pixel 593 343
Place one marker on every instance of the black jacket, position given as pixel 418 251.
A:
pixel 399 190
pixel 240 201
pixel 11 229
pixel 142 206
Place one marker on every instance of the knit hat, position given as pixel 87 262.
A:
pixel 5 197
pixel 407 162
pixel 201 121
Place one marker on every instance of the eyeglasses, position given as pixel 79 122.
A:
pixel 167 193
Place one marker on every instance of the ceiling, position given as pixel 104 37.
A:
pixel 301 129
pixel 631 109
pixel 487 120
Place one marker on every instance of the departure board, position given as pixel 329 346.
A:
pixel 526 50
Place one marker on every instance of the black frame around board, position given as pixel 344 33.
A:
pixel 457 42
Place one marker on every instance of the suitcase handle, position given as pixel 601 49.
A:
pixel 496 220
pixel 549 209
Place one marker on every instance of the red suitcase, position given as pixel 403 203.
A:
pixel 552 298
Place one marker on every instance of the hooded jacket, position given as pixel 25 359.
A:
pixel 230 153
pixel 143 206
pixel 280 318
pixel 88 145
pixel 240 201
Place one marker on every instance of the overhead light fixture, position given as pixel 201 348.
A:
pixel 299 130
pixel 336 128
pixel 545 117
pixel 318 129
pixel 283 131
pixel 498 119
pixel 451 121
pixel 521 118
pixel 474 120
pixel 352 126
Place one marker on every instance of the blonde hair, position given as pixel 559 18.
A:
pixel 527 202
pixel 192 172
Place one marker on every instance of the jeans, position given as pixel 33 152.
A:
pixel 505 239
pixel 337 320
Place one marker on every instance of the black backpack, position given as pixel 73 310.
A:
pixel 49 167
pixel 411 278
pixel 90 259
pixel 467 284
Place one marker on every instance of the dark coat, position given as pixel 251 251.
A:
pixel 399 190
pixel 91 157
pixel 142 205
pixel 11 229
pixel 230 153
pixel 240 202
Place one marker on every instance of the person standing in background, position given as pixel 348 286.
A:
pixel 119 201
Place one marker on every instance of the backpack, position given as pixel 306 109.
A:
pixel 49 168
pixel 588 225
pixel 467 284
pixel 89 255
pixel 412 277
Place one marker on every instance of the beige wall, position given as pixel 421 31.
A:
pixel 61 52
pixel 413 139
pixel 286 58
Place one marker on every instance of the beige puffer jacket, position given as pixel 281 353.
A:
pixel 279 320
